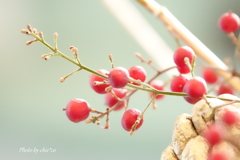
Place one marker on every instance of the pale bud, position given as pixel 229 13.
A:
pixel 41 35
pixel 62 79
pixel 55 35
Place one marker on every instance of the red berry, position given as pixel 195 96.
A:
pixel 99 88
pixel 178 83
pixel 230 117
pixel 110 101
pixel 229 22
pixel 209 75
pixel 213 134
pixel 157 84
pixel 129 118
pixel 195 87
pixel 77 110
pixel 137 73
pixel 181 53
pixel 118 77
pixel 192 100
pixel 225 88
pixel 218 156
pixel 183 70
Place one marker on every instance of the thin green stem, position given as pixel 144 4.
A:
pixel 148 105
pixel 103 76
pixel 141 116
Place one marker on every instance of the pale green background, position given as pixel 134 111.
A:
pixel 32 98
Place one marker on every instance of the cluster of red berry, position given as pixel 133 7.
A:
pixel 113 86
pixel 78 109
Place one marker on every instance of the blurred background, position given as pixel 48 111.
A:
pixel 32 97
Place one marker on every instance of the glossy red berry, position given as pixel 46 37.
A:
pixel 157 84
pixel 99 88
pixel 195 87
pixel 225 88
pixel 77 110
pixel 230 117
pixel 129 118
pixel 137 73
pixel 209 75
pixel 118 77
pixel 229 22
pixel 181 53
pixel 213 134
pixel 110 101
pixel 192 100
pixel 178 83
pixel 183 70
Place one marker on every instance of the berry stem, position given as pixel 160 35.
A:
pixel 149 62
pixel 234 39
pixel 55 36
pixel 111 60
pixel 141 116
pixel 64 78
pixel 187 62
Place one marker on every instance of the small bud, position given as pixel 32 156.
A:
pixel 43 56
pixel 47 58
pixel 154 106
pixel 71 47
pixel 75 50
pixel 28 43
pixel 64 109
pixel 29 27
pixel 139 56
pixel 41 35
pixel 55 35
pixel 24 31
pixel 97 122
pixel 88 121
pixel 34 30
pixel 110 56
pixel 62 79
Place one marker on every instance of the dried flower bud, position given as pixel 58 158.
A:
pixel 43 56
pixel 88 121
pixel 62 79
pixel 47 58
pixel 75 50
pixel 41 35
pixel 34 30
pixel 29 27
pixel 24 31
pixel 28 43
pixel 139 56
pixel 55 35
